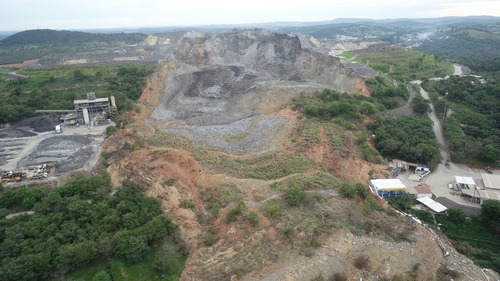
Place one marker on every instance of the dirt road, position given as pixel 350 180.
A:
pixel 442 176
pixel 458 70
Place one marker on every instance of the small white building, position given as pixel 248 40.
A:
pixel 464 183
pixel 385 188
pixel 431 204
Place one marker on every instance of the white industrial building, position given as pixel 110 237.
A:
pixel 478 190
pixel 90 111
pixel 385 188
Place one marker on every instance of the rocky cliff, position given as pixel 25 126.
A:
pixel 209 96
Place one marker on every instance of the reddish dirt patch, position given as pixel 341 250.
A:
pixel 322 148
pixel 20 65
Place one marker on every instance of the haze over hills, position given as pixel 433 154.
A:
pixel 472 40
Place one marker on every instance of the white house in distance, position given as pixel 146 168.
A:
pixel 385 188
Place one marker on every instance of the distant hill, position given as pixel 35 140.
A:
pixel 48 36
pixel 34 44
pixel 477 46
pixel 387 29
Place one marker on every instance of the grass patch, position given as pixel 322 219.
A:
pixel 221 196
pixel 252 218
pixel 187 204
pixel 310 131
pixel 237 138
pixel 347 55
pixel 407 64
pixel 320 180
pixel 235 212
pixel 274 210
pixel 269 166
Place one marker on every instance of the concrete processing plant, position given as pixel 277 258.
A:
pixel 57 142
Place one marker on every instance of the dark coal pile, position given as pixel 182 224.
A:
pixel 37 124
pixel 15 133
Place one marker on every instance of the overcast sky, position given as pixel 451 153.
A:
pixel 90 14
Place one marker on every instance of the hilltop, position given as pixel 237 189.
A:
pixel 34 44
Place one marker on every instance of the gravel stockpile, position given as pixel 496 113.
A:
pixel 71 152
pixel 243 136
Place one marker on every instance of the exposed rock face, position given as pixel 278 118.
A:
pixel 207 95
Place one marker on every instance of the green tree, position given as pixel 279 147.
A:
pixel 78 75
pixel 456 215
pixel 131 248
pixel 294 195
pixel 347 190
pixel 490 214
pixel 165 258
pixel 490 153
pixel 17 268
pixel 101 276
pixel 420 105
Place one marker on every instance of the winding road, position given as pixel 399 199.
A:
pixel 439 179
pixel 438 130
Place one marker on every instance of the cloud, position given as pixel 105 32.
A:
pixel 465 8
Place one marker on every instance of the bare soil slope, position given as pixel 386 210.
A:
pixel 224 92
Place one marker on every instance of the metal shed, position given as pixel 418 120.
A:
pixel 431 204
pixel 491 181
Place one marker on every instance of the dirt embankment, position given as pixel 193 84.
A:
pixel 200 187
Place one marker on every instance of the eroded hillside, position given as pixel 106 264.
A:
pixel 217 141
pixel 214 96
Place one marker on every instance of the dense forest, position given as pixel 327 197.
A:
pixel 410 138
pixel 383 89
pixel 331 105
pixel 63 37
pixel 472 130
pixel 76 225
pixel 57 88
pixel 477 46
